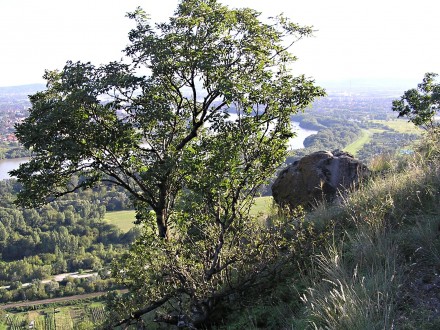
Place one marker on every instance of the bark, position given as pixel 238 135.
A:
pixel 162 223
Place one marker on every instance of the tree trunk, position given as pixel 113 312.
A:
pixel 162 225
pixel 163 207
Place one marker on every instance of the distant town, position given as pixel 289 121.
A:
pixel 14 104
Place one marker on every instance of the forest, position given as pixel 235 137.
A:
pixel 68 235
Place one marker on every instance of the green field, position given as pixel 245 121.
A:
pixel 400 126
pixel 124 219
pixel 357 145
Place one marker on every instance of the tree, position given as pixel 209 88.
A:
pixel 192 140
pixel 422 104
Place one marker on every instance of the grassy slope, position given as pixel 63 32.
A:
pixel 389 245
pixel 379 268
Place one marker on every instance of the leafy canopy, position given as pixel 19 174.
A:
pixel 422 104
pixel 211 73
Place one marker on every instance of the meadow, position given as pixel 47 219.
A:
pixel 400 126
pixel 124 219
pixel 365 138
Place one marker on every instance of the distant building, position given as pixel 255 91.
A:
pixel 11 138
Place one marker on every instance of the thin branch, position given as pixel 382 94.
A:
pixel 137 314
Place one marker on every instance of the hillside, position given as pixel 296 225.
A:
pixel 21 90
pixel 354 246
pixel 375 258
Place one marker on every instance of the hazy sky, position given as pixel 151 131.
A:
pixel 375 39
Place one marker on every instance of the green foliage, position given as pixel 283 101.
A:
pixel 430 146
pixel 64 236
pixel 196 269
pixel 205 61
pixel 422 104
pixel 12 150
pixel 335 137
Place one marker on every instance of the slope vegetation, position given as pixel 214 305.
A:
pixel 375 260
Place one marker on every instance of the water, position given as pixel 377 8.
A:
pixel 297 142
pixel 7 165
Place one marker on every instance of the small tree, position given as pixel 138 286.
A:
pixel 422 104
pixel 192 140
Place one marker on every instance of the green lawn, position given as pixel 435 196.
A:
pixel 124 219
pixel 400 126
pixel 357 145
pixel 121 219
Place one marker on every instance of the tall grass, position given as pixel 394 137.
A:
pixel 392 221
pixel 362 251
pixel 354 288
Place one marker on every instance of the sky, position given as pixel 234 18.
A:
pixel 373 40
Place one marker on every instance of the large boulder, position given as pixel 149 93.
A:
pixel 316 177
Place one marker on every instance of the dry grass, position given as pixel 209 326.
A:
pixel 387 225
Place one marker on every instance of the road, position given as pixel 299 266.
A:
pixel 59 278
pixel 56 300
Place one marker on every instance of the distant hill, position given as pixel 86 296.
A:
pixel 389 87
pixel 22 89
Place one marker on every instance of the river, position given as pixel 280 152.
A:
pixel 297 142
pixel 7 165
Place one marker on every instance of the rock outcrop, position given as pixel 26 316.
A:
pixel 316 177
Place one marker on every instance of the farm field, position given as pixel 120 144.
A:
pixel 77 316
pixel 122 219
pixel 400 126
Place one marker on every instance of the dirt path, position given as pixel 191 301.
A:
pixel 55 300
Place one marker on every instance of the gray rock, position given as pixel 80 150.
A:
pixel 316 177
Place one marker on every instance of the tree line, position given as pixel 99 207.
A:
pixel 65 236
